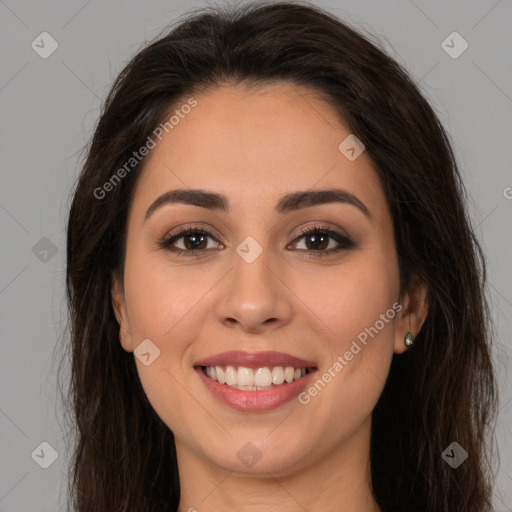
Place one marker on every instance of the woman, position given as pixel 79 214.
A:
pixel 277 300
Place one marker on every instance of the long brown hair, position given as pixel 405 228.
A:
pixel 440 391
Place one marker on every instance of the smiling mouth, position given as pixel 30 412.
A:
pixel 255 379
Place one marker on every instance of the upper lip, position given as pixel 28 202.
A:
pixel 255 360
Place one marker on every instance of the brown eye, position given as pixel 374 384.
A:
pixel 319 241
pixel 194 239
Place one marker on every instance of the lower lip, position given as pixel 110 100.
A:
pixel 255 401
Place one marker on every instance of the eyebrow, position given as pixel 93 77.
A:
pixel 289 202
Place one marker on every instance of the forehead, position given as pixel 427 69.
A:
pixel 254 145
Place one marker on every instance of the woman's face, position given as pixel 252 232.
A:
pixel 257 285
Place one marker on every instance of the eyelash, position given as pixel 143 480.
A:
pixel 344 241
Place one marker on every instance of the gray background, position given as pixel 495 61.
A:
pixel 48 108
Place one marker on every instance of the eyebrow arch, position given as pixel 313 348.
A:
pixel 287 203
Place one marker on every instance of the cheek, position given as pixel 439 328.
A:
pixel 360 309
pixel 161 299
pixel 353 297
pixel 357 307
pixel 161 308
pixel 164 305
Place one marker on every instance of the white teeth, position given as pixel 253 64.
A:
pixel 231 376
pixel 221 374
pixel 263 377
pixel 245 376
pixel 289 374
pixel 278 375
pixel 250 379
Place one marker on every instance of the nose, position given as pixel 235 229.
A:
pixel 254 296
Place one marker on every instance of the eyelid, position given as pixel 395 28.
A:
pixel 324 228
pixel 184 230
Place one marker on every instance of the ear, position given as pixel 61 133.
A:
pixel 413 313
pixel 121 313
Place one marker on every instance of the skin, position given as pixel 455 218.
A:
pixel 255 145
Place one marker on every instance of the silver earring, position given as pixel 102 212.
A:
pixel 409 340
